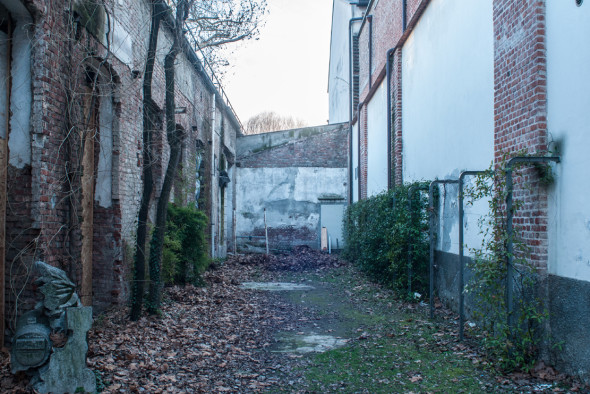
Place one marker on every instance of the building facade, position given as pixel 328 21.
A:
pixel 449 86
pixel 71 142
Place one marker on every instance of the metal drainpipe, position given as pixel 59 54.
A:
pixel 404 15
pixel 461 262
pixel 358 146
pixel 390 53
pixel 213 213
pixel 350 100
pixel 509 226
pixel 370 19
pixel 411 190
pixel 431 234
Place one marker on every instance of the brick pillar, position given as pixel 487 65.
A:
pixel 520 108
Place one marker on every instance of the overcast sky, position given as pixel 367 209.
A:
pixel 286 70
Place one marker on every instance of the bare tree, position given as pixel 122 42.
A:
pixel 271 121
pixel 213 23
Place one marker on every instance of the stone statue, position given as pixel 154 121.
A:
pixel 54 369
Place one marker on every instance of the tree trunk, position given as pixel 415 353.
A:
pixel 148 126
pixel 175 138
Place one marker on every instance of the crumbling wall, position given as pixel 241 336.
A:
pixel 286 173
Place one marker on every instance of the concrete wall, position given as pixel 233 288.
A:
pixel 286 173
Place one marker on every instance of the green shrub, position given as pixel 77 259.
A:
pixel 378 232
pixel 185 249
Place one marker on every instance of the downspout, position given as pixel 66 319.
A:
pixel 390 53
pixel 350 100
pixel 411 191
pixel 358 147
pixel 370 19
pixel 510 230
pixel 404 15
pixel 212 204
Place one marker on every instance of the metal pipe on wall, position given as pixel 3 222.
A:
pixel 411 191
pixel 390 181
pixel 350 101
pixel 370 19
pixel 431 235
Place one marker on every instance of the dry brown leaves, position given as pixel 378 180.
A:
pixel 211 339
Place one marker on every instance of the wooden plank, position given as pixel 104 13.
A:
pixel 88 202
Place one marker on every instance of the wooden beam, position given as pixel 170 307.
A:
pixel 3 181
pixel 88 200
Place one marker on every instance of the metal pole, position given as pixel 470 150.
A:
pixel 265 231
pixel 431 233
pixel 411 190
pixel 234 231
pixel 461 259
pixel 510 228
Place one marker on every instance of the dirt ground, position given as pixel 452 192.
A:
pixel 339 333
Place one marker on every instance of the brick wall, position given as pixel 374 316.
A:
pixel 322 150
pixel 44 199
pixel 520 108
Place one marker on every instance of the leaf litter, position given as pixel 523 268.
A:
pixel 218 338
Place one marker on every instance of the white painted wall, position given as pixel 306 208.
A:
pixel 339 74
pixel 355 163
pixel 377 142
pixel 104 176
pixel 568 96
pixel 448 102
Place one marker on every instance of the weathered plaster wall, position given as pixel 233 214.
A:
pixel 285 173
pixel 568 121
pixel 290 197
pixel 568 124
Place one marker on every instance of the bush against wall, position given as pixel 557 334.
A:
pixel 381 230
pixel 185 247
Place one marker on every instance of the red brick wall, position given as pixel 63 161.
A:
pixel 520 108
pixel 44 215
pixel 326 149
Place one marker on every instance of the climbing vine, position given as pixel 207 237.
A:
pixel 514 344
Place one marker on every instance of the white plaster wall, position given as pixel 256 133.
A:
pixel 568 101
pixel 355 162
pixel 104 176
pixel 448 103
pixel 19 140
pixel 121 43
pixel 377 142
pixel 339 74
pixel 290 195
